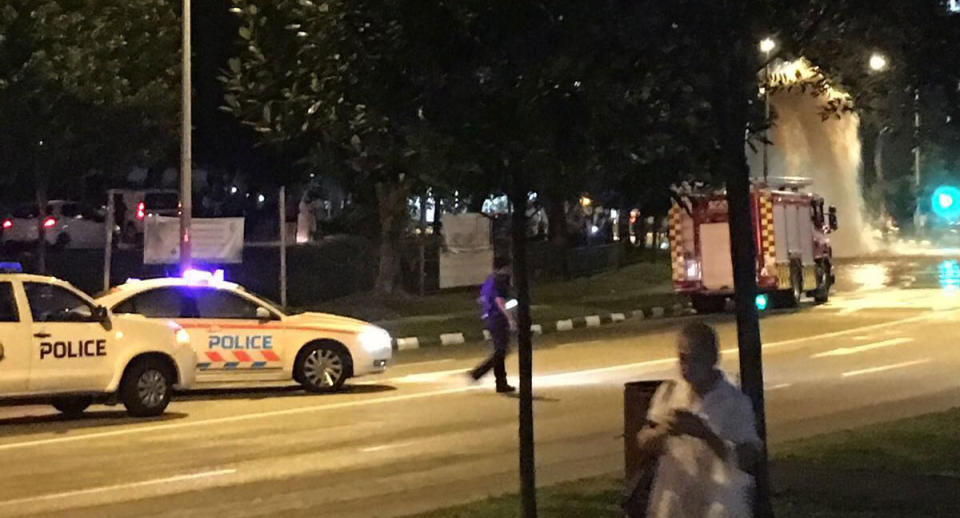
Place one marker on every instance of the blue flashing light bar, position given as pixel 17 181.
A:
pixel 11 267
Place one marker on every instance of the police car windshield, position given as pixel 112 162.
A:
pixel 271 305
pixel 106 292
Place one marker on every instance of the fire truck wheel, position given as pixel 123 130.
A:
pixel 822 294
pixel 796 285
pixel 705 304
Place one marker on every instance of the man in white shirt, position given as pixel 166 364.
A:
pixel 702 430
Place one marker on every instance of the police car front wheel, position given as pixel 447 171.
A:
pixel 72 405
pixel 322 368
pixel 146 387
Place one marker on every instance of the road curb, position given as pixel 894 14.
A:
pixel 558 326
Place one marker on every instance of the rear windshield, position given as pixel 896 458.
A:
pixel 161 200
pixel 25 211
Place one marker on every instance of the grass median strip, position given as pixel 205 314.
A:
pixel 902 468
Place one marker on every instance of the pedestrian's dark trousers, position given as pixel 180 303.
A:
pixel 499 330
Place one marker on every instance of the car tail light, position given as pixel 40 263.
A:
pixel 141 211
pixel 49 222
pixel 7 224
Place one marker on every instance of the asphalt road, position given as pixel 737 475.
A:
pixel 421 437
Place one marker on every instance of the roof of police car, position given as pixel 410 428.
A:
pixel 162 282
pixel 32 277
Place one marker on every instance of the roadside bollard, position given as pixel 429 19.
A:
pixel 636 402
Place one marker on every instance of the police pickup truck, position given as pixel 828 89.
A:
pixel 57 346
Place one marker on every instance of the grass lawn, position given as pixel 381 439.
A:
pixel 632 287
pixel 908 468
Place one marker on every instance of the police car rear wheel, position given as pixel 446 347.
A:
pixel 146 387
pixel 72 405
pixel 322 369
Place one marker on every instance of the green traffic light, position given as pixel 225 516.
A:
pixel 762 301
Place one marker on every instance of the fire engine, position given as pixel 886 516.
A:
pixel 791 229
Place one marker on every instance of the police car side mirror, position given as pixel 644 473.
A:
pixel 103 316
pixel 264 314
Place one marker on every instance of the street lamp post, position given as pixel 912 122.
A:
pixel 878 63
pixel 186 151
pixel 766 46
pixel 918 219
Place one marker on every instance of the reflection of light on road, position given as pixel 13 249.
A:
pixel 884 368
pixel 949 275
pixel 616 374
pixel 870 276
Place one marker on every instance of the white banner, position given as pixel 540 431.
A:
pixel 468 256
pixel 217 240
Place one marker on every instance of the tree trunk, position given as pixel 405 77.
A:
pixel 559 238
pixel 528 488
pixel 391 205
pixel 734 79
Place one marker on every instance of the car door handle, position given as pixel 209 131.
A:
pixel 42 335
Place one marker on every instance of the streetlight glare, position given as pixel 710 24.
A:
pixel 878 62
pixel 767 45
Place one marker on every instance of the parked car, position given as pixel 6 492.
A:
pixel 68 224
pixel 133 206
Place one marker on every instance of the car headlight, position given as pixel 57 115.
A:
pixel 374 339
pixel 183 337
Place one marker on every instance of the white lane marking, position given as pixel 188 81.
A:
pixel 883 368
pixel 236 418
pixel 106 489
pixel 780 386
pixel 427 377
pixel 834 334
pixel 846 351
pixel 600 370
pixel 395 445
pixel 405 397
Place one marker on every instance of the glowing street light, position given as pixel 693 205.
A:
pixel 878 62
pixel 585 201
pixel 767 45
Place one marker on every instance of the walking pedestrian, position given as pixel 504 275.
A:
pixel 499 322
pixel 702 430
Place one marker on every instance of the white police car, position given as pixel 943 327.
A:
pixel 241 337
pixel 60 347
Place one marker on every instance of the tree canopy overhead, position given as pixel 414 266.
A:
pixel 86 85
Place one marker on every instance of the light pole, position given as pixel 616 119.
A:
pixel 186 151
pixel 766 46
pixel 878 63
